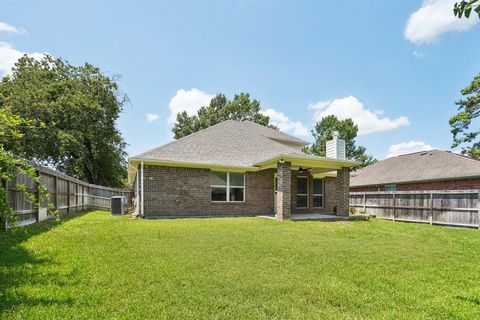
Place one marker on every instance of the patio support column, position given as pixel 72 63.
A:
pixel 284 190
pixel 343 191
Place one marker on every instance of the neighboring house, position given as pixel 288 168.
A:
pixel 426 170
pixel 240 168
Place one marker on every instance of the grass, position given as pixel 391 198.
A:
pixel 98 266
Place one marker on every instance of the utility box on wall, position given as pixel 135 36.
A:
pixel 118 205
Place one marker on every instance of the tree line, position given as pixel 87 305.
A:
pixel 65 116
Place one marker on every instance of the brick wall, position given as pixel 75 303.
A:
pixel 461 184
pixel 173 191
pixel 284 190
pixel 342 191
pixel 330 185
pixel 367 189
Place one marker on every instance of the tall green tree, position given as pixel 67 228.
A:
pixel 11 166
pixel 220 109
pixel 465 8
pixel 347 130
pixel 72 113
pixel 465 131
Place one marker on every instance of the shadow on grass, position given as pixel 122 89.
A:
pixel 475 301
pixel 19 267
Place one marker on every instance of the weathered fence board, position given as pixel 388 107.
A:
pixel 448 207
pixel 67 195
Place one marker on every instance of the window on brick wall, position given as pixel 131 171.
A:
pixel 302 192
pixel 318 193
pixel 228 186
pixel 391 187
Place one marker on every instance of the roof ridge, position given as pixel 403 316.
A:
pixel 412 153
pixel 291 137
pixel 463 156
pixel 232 130
pixel 276 142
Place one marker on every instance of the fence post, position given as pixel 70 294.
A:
pixel 364 202
pixel 82 196
pixel 37 218
pixel 76 196
pixel 85 197
pixel 393 204
pixel 431 208
pixel 55 189
pixel 478 211
pixel 5 185
pixel 68 196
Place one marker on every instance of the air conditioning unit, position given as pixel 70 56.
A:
pixel 118 205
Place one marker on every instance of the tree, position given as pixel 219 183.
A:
pixel 72 113
pixel 469 110
pixel 220 109
pixel 347 130
pixel 10 166
pixel 465 7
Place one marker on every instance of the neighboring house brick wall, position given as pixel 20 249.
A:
pixel 367 189
pixel 174 191
pixel 460 184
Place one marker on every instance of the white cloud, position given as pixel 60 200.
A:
pixel 9 56
pixel 434 18
pixel 5 27
pixel 284 123
pixel 349 107
pixel 408 147
pixel 418 54
pixel 189 101
pixel 152 117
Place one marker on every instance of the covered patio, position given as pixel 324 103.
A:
pixel 290 168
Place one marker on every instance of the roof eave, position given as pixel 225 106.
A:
pixel 413 181
pixel 184 164
pixel 320 162
pixel 324 163
pixel 295 141
pixel 190 164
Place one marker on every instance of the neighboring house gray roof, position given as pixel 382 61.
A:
pixel 420 166
pixel 230 143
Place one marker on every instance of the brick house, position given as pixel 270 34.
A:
pixel 240 168
pixel 426 170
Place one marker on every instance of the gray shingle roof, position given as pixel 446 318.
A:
pixel 232 143
pixel 419 166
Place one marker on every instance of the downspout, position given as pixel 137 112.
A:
pixel 137 189
pixel 141 187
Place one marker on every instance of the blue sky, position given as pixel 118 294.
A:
pixel 396 67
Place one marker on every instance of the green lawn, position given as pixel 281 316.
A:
pixel 98 266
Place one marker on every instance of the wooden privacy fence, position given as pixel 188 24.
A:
pixel 66 194
pixel 448 207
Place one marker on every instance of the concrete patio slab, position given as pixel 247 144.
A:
pixel 320 217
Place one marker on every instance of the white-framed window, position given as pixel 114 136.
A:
pixel 228 186
pixel 302 192
pixel 318 187
pixel 391 187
